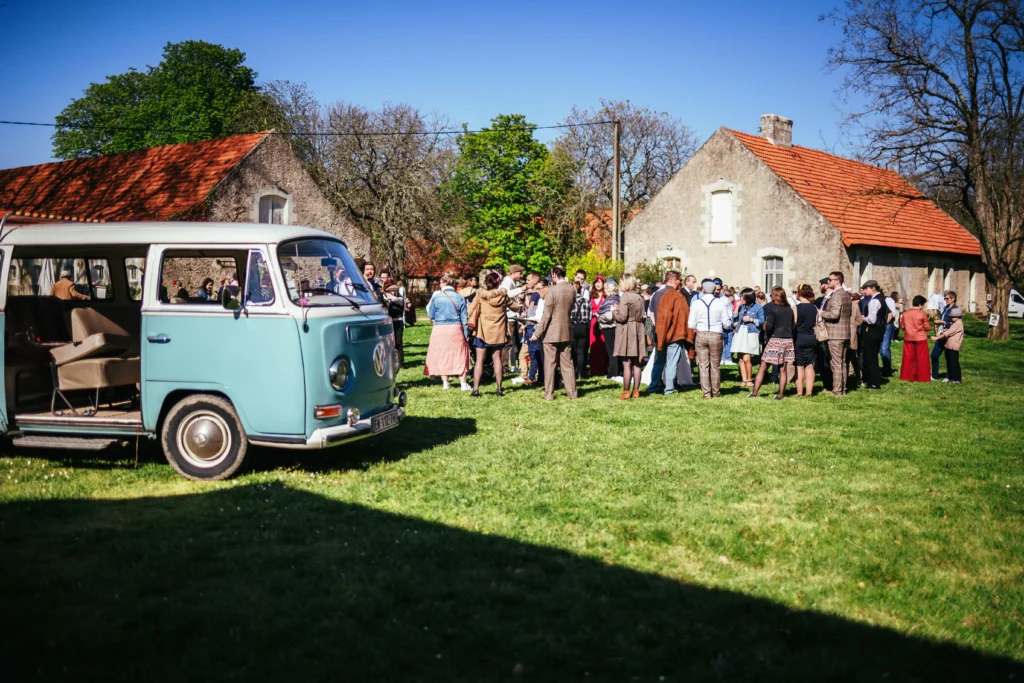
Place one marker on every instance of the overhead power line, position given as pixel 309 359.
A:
pixel 133 129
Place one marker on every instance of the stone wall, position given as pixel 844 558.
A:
pixel 272 169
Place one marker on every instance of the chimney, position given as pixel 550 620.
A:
pixel 777 129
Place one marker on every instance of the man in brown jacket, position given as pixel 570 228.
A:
pixel 64 288
pixel 670 331
pixel 836 315
pixel 554 330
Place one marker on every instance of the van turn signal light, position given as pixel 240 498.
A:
pixel 326 412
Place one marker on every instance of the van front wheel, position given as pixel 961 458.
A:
pixel 203 438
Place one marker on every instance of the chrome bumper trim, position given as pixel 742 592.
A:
pixel 333 436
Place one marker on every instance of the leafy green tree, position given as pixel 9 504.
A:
pixel 199 91
pixel 498 190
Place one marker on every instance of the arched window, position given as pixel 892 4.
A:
pixel 772 272
pixel 273 209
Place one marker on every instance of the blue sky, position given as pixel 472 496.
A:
pixel 707 63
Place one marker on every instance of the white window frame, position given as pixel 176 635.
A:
pixel 779 274
pixel 707 215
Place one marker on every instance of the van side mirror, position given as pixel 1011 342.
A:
pixel 228 300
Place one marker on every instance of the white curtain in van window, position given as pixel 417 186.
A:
pixel 46 278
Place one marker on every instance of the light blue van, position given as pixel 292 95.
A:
pixel 209 337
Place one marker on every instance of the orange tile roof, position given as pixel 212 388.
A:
pixel 869 205
pixel 155 184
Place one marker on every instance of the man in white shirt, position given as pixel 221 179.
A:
pixel 710 316
pixel 581 277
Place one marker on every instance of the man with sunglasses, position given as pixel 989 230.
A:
pixel 835 312
pixel 949 298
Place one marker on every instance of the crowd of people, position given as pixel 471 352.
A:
pixel 553 330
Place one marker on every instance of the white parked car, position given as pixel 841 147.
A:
pixel 1016 307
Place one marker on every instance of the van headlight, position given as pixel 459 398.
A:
pixel 396 362
pixel 338 373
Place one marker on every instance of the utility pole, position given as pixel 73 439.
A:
pixel 616 217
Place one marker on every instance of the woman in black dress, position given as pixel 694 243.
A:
pixel 804 342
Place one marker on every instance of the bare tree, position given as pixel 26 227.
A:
pixel 653 147
pixel 945 103
pixel 381 167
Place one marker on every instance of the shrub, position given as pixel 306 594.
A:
pixel 595 264
pixel 650 273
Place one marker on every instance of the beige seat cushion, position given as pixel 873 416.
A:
pixel 92 335
pixel 94 373
pixel 93 345
pixel 86 322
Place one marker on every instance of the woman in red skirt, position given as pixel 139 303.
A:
pixel 915 366
pixel 598 350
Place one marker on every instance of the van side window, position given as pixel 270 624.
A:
pixel 199 277
pixel 134 270
pixel 259 290
pixel 62 277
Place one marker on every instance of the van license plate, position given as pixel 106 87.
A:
pixel 382 423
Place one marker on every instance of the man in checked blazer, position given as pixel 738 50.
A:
pixel 836 315
pixel 554 330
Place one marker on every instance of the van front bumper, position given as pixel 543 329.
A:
pixel 325 437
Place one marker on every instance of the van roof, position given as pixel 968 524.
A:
pixel 172 232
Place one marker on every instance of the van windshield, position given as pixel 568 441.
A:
pixel 320 272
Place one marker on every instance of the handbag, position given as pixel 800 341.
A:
pixel 474 315
pixel 820 331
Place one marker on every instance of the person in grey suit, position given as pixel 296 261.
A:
pixel 835 313
pixel 555 331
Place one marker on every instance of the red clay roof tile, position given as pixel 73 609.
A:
pixel 869 205
pixel 149 185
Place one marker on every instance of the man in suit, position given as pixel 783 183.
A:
pixel 555 331
pixel 835 313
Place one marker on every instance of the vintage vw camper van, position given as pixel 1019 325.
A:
pixel 209 337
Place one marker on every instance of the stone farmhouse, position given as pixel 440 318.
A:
pixel 252 178
pixel 757 209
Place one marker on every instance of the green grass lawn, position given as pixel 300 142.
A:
pixel 874 537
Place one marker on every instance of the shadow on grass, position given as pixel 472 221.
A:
pixel 270 583
pixel 415 434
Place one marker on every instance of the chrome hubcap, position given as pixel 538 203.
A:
pixel 204 438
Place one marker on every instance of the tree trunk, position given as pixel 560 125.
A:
pixel 1000 290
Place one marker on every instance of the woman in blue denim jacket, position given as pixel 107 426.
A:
pixel 747 323
pixel 448 350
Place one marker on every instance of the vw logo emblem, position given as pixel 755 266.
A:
pixel 380 359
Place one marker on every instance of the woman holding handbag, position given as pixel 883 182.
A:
pixel 746 340
pixel 491 334
pixel 606 322
pixel 448 349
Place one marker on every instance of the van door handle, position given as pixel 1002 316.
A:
pixel 159 339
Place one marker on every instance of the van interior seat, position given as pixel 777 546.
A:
pixel 100 354
pixel 92 334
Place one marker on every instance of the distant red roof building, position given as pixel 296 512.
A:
pixel 869 205
pixel 157 184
